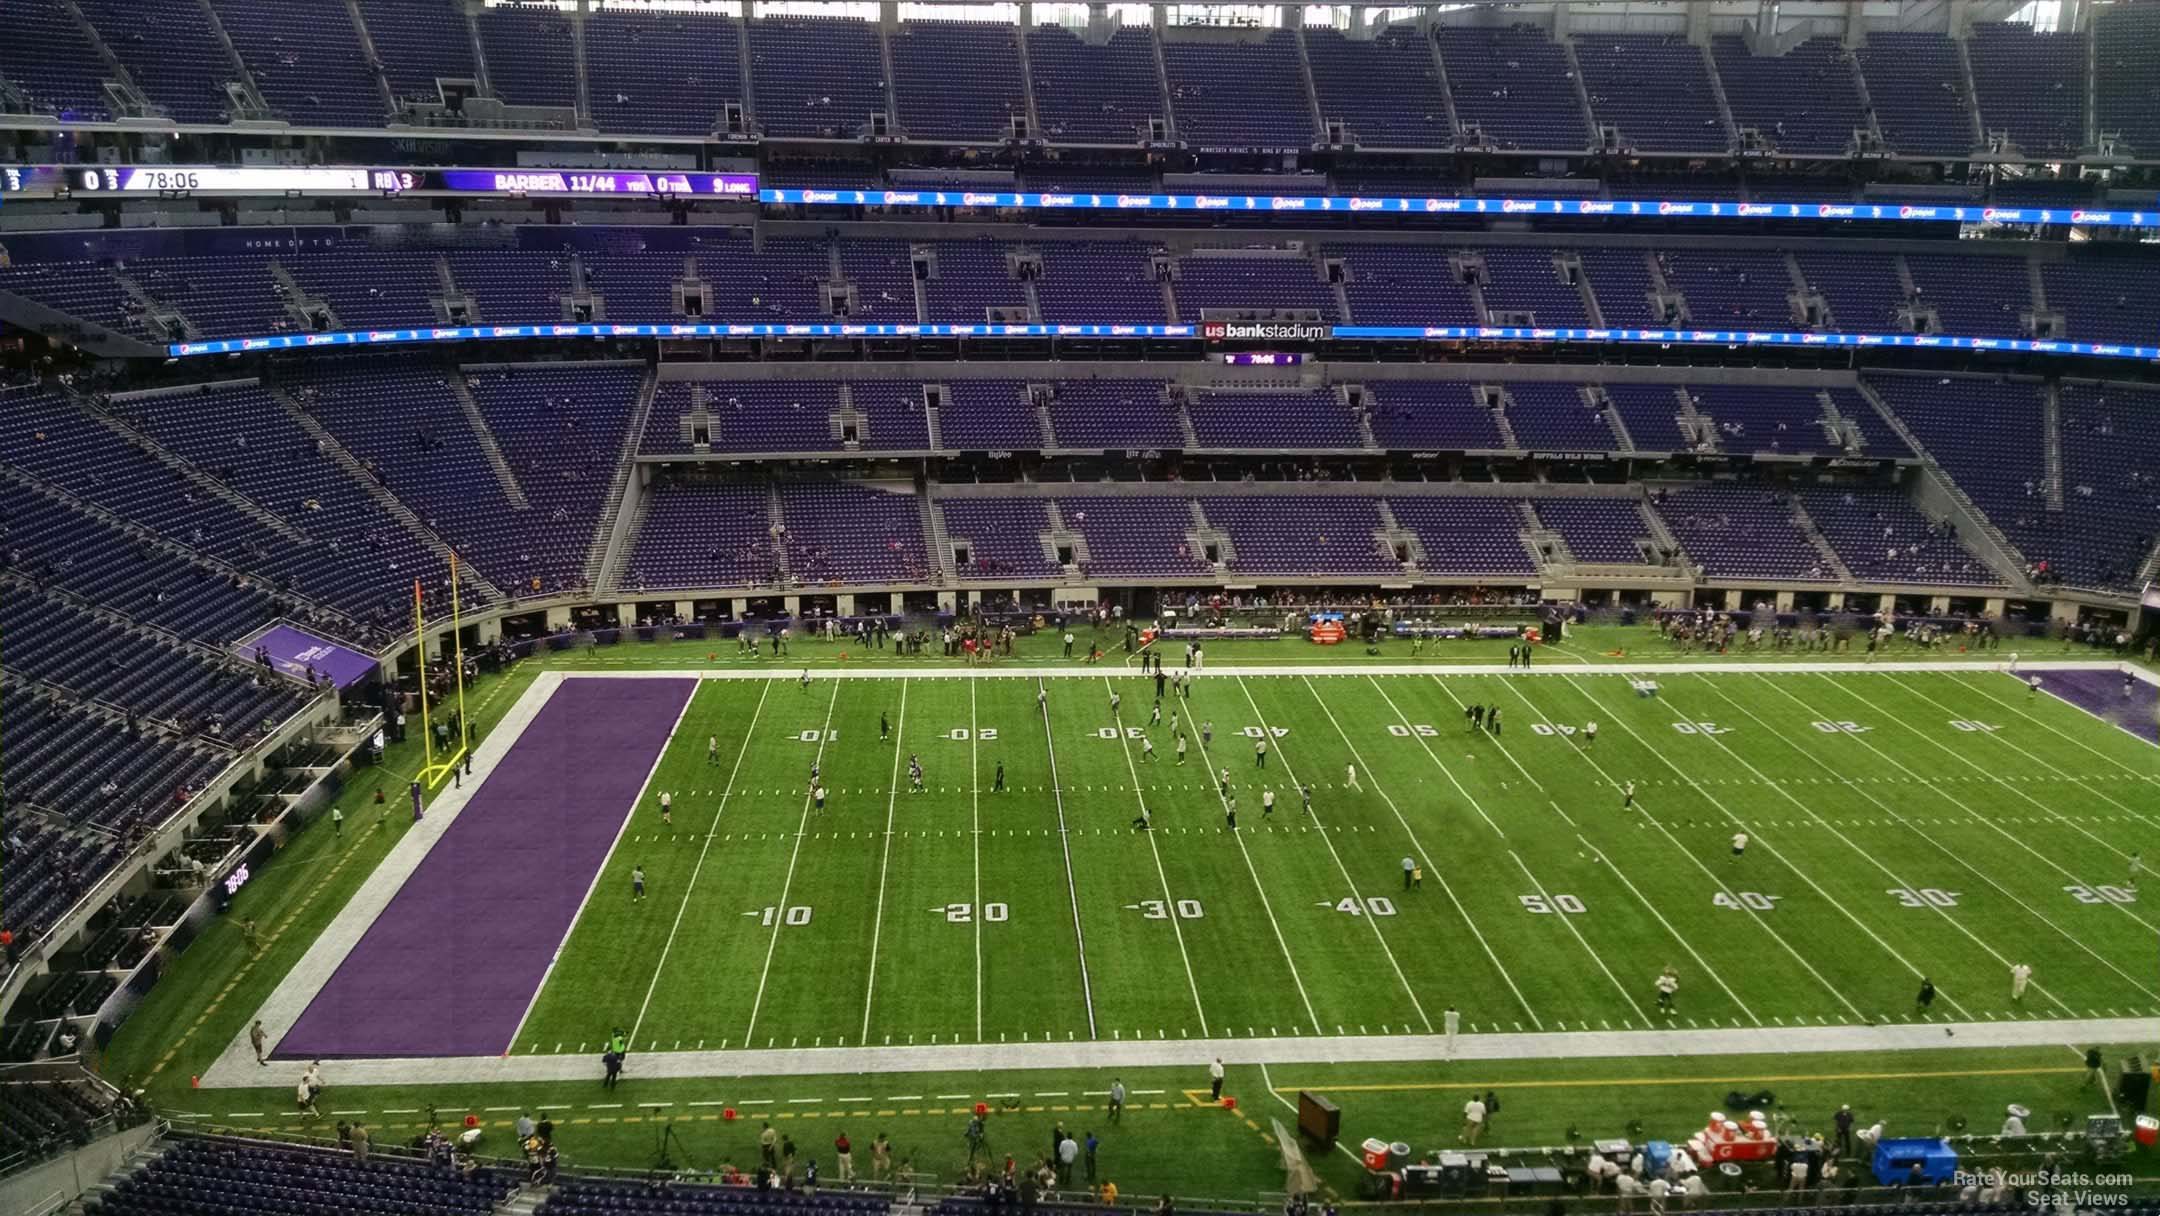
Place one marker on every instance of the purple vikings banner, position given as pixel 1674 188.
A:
pixel 296 652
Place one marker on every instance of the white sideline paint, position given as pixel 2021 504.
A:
pixel 329 950
pixel 236 1067
pixel 231 1073
pixel 1361 670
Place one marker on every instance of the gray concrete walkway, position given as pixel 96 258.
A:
pixel 1192 1053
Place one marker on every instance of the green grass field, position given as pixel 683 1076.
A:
pixel 1942 825
pixel 2001 821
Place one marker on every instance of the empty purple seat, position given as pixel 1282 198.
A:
pixel 1513 88
pixel 817 77
pixel 421 42
pixel 1306 419
pixel 1236 283
pixel 306 58
pixel 703 533
pixel 844 532
pixel 1098 281
pixel 1529 286
pixel 1118 415
pixel 988 415
pixel 1232 91
pixel 1801 101
pixel 958 80
pixel 531 58
pixel 2126 88
pixel 1136 535
pixel 1294 534
pixel 663 73
pixel 1655 89
pixel 972 282
pixel 2105 298
pixel 170 49
pixel 1881 537
pixel 2031 86
pixel 1384 90
pixel 1919 93
pixel 1608 531
pixel 1003 537
pixel 1620 279
pixel 1404 285
pixel 1464 535
pixel 1444 415
pixel 1741 531
pixel 1088 94
pixel 1732 289
pixel 1557 418
pixel 52 64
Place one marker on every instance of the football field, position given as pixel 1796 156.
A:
pixel 1900 825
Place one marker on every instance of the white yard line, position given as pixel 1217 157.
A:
pixel 892 803
pixel 1855 787
pixel 2050 728
pixel 2006 784
pixel 1987 823
pixel 726 792
pixel 975 838
pixel 1681 850
pixel 802 829
pixel 1162 876
pixel 1829 899
pixel 1419 845
pixel 1566 922
pixel 1357 669
pixel 534 1000
pixel 1615 871
pixel 1282 757
pixel 1267 906
pixel 1072 892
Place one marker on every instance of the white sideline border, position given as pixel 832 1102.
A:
pixel 328 951
pixel 235 1067
pixel 1190 1053
pixel 784 671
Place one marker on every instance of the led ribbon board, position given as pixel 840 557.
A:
pixel 1331 333
pixel 143 181
pixel 1329 204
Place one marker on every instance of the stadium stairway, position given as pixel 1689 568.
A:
pixel 470 576
pixel 1806 523
pixel 489 449
pixel 1937 494
pixel 933 530
pixel 611 541
pixel 202 481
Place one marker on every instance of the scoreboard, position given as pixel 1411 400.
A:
pixel 159 181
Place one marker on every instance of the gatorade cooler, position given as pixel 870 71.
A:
pixel 1375 1154
pixel 2146 1131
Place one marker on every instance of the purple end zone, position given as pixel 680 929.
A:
pixel 451 964
pixel 2099 692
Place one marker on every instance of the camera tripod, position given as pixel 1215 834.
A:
pixel 665 1145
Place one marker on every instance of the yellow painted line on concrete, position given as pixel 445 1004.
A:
pixel 1412 1087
